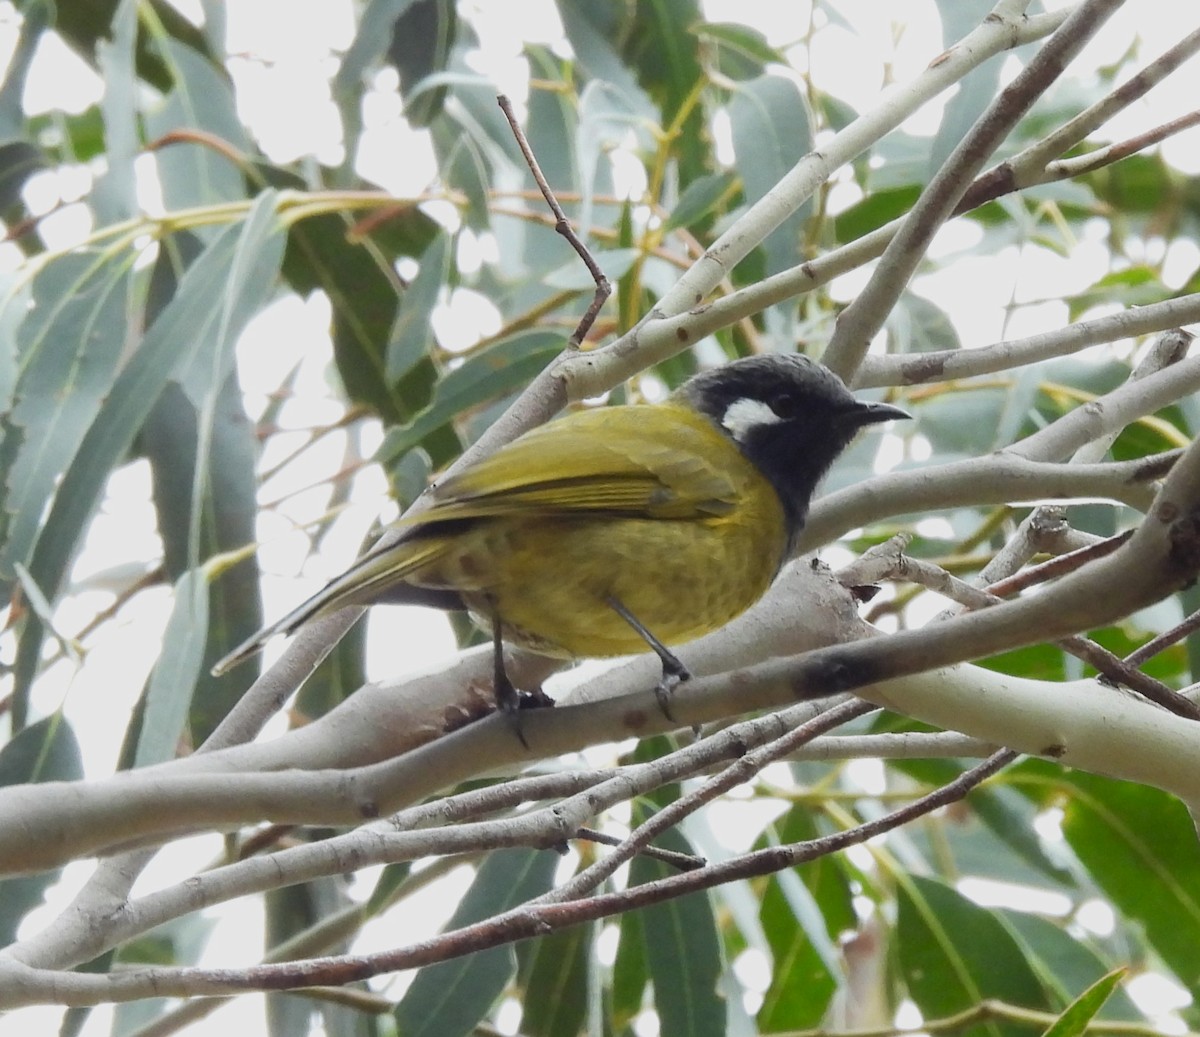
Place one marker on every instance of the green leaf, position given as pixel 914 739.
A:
pixel 412 332
pixel 976 90
pixel 954 954
pixel 463 166
pixel 631 973
pixel 363 292
pixel 201 99
pixel 1067 965
pixel 69 348
pixel 169 696
pixel 19 160
pixel 450 998
pixel 84 25
pixel 916 325
pixel 741 52
pixel 208 313
pixel 370 44
pixel 1132 286
pixel 700 199
pixel 552 122
pixel 114 196
pixel 44 751
pixel 588 27
pixel 556 993
pixel 873 211
pixel 1137 184
pixel 1074 1021
pixel 683 951
pixel 224 512
pixel 478 113
pixel 422 37
pixel 1139 845
pixel 661 45
pixel 495 372
pixel 36 17
pixel 802 913
pixel 771 133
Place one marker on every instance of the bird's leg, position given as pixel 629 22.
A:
pixel 674 672
pixel 509 700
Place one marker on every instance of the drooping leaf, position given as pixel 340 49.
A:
pixel 207 313
pixel 954 953
pixel 422 37
pixel 412 332
pixel 1067 965
pixel 492 373
pixel 192 172
pixel 69 348
pixel 169 696
pixel 682 951
pixel 450 998
pixel 1139 845
pixel 84 24
pixel 556 993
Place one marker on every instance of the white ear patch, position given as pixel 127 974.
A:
pixel 745 414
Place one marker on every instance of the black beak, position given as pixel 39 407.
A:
pixel 874 414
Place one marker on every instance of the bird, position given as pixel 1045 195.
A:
pixel 614 529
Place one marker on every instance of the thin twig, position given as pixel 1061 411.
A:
pixel 1093 160
pixel 1164 640
pixel 1064 563
pixel 1108 665
pixel 735 774
pixel 681 861
pixel 859 322
pixel 535 919
pixel 562 225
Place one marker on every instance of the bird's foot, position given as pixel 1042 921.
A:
pixel 673 675
pixel 513 703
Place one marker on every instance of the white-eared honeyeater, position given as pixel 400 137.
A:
pixel 616 528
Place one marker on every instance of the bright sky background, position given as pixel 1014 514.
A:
pixel 282 84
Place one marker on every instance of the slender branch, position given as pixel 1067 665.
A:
pixel 679 319
pixel 21 985
pixel 741 771
pixel 946 365
pixel 859 322
pixel 1064 563
pixel 1065 168
pixel 1164 640
pixel 562 226
pixel 1107 664
pixel 1034 164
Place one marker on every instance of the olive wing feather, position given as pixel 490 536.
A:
pixel 608 460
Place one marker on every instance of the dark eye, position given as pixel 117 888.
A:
pixel 785 405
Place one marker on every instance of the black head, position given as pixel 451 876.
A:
pixel 790 416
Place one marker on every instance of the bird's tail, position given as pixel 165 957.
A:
pixel 368 578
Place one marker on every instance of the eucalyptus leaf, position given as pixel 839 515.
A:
pixel 450 998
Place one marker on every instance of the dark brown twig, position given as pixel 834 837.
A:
pixel 1164 640
pixel 563 226
pixel 738 772
pixel 1064 563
